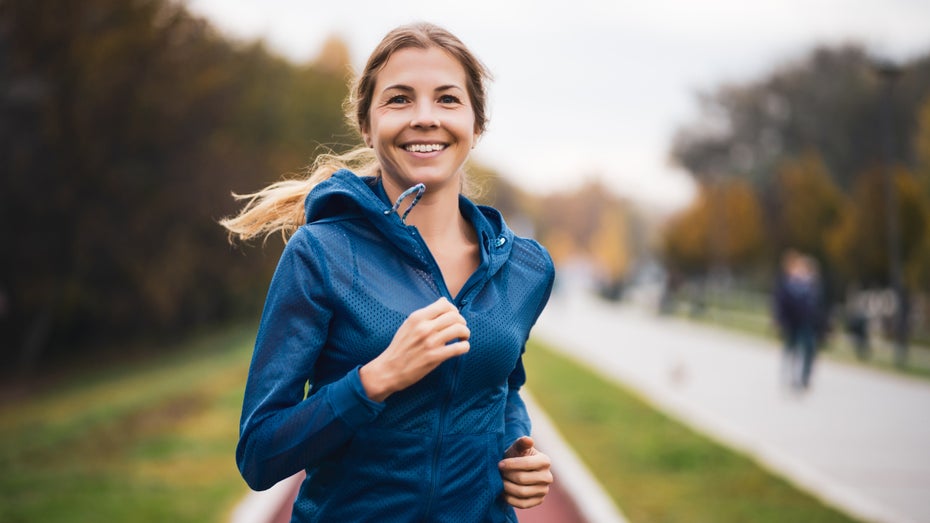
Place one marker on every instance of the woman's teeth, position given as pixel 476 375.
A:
pixel 424 148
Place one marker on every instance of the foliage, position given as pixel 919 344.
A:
pixel 722 227
pixel 922 145
pixel 124 127
pixel 655 468
pixel 809 202
pixel 589 222
pixel 859 245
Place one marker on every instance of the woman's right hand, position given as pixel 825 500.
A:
pixel 420 344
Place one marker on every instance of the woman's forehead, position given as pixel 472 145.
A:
pixel 413 66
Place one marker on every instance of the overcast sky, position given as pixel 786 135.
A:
pixel 588 88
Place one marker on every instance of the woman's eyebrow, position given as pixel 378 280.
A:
pixel 398 87
pixel 407 88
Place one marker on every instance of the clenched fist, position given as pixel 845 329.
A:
pixel 526 474
pixel 428 337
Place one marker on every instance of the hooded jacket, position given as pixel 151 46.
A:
pixel 344 284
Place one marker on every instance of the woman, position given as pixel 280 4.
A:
pixel 388 360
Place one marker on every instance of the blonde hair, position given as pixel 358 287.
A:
pixel 279 208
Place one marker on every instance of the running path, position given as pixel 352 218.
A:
pixel 859 439
pixel 558 508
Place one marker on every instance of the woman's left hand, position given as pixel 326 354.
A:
pixel 526 474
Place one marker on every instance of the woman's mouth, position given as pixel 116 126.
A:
pixel 424 147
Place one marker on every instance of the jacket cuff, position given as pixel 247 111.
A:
pixel 514 432
pixel 350 402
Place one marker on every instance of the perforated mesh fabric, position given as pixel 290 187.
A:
pixel 344 284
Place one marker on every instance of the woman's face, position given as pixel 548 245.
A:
pixel 421 123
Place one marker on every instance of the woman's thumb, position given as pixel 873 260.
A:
pixel 521 447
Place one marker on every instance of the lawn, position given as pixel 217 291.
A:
pixel 656 469
pixel 151 441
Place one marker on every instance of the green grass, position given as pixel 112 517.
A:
pixel 152 441
pixel 657 470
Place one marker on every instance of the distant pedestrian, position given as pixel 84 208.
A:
pixel 857 323
pixel 798 313
pixel 389 360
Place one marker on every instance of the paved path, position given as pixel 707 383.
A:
pixel 858 439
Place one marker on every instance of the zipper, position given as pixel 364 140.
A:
pixel 439 439
pixel 431 261
pixel 450 393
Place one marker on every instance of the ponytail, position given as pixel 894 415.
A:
pixel 279 208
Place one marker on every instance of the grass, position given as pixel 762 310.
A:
pixel 141 442
pixel 657 470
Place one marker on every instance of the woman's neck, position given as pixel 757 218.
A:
pixel 436 216
pixel 450 238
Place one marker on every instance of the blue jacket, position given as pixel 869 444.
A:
pixel 344 284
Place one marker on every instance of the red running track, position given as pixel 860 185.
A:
pixel 557 508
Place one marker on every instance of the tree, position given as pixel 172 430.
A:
pixel 124 126
pixel 829 101
pixel 808 205
pixel 922 145
pixel 610 245
pixel 721 228
pixel 857 245
pixel 588 223
pixel 685 240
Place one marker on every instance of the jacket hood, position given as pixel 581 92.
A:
pixel 346 196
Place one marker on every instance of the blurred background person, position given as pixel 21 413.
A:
pixel 798 313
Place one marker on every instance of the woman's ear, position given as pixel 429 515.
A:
pixel 366 136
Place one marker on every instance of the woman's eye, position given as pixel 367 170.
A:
pixel 448 99
pixel 399 99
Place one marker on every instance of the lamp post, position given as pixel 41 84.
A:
pixel 889 72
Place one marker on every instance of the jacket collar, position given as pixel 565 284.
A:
pixel 346 195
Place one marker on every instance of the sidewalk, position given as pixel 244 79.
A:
pixel 859 439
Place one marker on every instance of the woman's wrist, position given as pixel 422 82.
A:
pixel 374 383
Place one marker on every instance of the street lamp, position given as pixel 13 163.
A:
pixel 889 72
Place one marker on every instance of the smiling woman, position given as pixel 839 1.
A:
pixel 409 327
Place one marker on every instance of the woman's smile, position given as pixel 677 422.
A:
pixel 424 148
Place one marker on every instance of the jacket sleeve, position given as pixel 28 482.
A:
pixel 516 420
pixel 281 432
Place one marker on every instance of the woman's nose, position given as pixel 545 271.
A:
pixel 425 116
